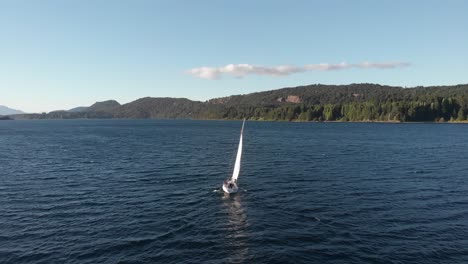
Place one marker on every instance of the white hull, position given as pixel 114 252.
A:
pixel 230 187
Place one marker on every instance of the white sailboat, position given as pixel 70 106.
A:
pixel 230 185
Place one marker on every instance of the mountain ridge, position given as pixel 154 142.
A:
pixel 5 110
pixel 317 102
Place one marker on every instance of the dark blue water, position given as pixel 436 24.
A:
pixel 144 191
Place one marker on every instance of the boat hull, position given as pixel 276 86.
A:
pixel 230 187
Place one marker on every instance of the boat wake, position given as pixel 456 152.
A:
pixel 220 190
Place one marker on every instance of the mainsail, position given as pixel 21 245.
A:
pixel 235 173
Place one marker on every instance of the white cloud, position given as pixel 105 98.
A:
pixel 327 66
pixel 382 65
pixel 241 70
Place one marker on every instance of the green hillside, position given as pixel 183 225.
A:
pixel 354 102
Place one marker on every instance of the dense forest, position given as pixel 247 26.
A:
pixel 354 102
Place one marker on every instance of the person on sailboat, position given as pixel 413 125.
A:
pixel 228 184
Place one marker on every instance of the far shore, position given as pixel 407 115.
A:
pixel 257 120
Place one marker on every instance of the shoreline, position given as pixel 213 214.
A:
pixel 256 120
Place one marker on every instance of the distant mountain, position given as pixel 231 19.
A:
pixel 105 106
pixel 8 111
pixel 78 109
pixel 354 102
pixel 149 107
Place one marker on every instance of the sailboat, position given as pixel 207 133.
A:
pixel 230 185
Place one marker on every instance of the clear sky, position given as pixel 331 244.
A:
pixel 61 54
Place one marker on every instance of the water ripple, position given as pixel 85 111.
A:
pixel 146 191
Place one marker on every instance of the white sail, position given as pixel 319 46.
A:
pixel 235 173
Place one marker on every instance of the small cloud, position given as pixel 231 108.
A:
pixel 205 73
pixel 327 66
pixel 382 65
pixel 241 70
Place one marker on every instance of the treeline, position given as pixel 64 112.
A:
pixel 354 102
pixel 439 110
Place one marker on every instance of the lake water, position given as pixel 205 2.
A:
pixel 147 191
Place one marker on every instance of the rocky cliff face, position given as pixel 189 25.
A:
pixel 290 99
pixel 293 99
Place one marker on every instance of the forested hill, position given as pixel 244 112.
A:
pixel 354 102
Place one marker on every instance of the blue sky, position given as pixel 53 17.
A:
pixel 61 54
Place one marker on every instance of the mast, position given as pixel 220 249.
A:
pixel 235 173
